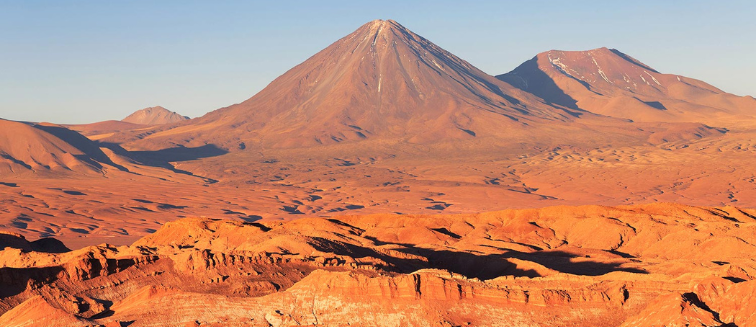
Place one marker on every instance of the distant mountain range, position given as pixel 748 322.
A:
pixel 384 83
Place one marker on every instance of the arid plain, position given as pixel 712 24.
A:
pixel 387 182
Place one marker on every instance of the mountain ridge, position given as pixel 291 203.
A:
pixel 611 83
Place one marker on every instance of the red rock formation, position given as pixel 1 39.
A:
pixel 558 266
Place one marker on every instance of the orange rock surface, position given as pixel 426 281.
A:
pixel 651 265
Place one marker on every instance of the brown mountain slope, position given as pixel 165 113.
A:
pixel 648 265
pixel 47 148
pixel 154 116
pixel 609 82
pixel 380 82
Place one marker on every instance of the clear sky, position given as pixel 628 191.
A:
pixel 84 61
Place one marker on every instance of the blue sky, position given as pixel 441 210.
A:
pixel 86 61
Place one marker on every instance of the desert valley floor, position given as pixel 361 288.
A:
pixel 118 207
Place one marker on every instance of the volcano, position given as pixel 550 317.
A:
pixel 608 82
pixel 380 82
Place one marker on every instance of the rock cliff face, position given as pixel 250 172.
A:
pixel 650 265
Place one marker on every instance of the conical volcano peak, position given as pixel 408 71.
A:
pixel 382 81
pixel 386 37
pixel 379 24
pixel 378 29
pixel 381 32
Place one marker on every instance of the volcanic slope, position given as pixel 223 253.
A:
pixel 380 82
pixel 609 82
pixel 154 116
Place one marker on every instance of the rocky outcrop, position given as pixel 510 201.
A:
pixel 647 265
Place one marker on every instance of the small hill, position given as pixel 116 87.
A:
pixel 154 116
